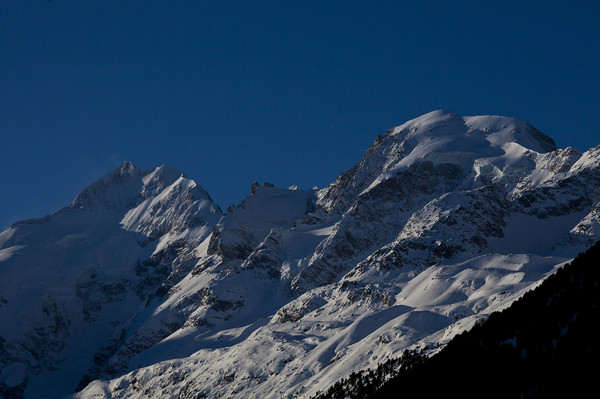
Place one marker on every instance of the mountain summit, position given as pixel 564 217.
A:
pixel 143 288
pixel 476 145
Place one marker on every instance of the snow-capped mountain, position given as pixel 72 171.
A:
pixel 142 288
pixel 71 281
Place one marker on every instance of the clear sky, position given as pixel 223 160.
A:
pixel 288 92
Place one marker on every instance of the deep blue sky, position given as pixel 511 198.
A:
pixel 286 92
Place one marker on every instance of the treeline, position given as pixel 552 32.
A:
pixel 365 383
pixel 544 345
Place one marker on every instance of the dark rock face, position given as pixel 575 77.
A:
pixel 266 257
pixel 375 216
pixel 238 247
pixel 546 142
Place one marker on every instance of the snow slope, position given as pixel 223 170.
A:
pixel 445 220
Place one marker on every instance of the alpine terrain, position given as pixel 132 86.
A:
pixel 142 287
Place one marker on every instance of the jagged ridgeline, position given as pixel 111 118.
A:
pixel 143 288
pixel 545 345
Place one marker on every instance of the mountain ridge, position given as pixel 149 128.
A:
pixel 291 289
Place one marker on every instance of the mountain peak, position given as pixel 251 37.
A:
pixel 157 179
pixel 498 130
pixel 109 189
pixel 428 121
pixel 475 144
pixel 169 171
pixel 126 166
